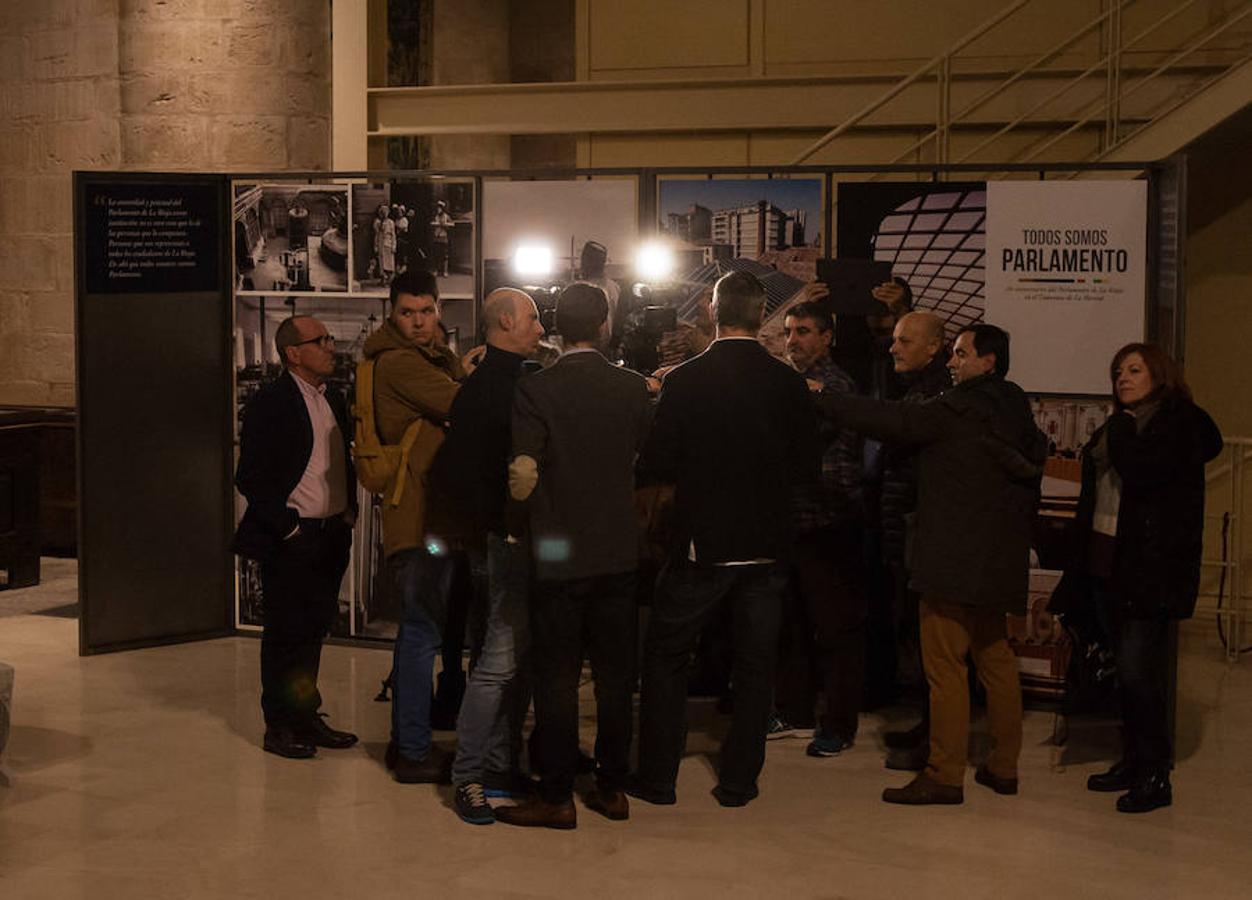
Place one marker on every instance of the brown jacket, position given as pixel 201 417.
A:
pixel 410 382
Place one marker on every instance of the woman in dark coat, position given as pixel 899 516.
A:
pixel 1136 561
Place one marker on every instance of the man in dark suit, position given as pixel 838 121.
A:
pixel 296 474
pixel 735 433
pixel 577 430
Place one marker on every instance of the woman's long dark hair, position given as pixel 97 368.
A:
pixel 1167 380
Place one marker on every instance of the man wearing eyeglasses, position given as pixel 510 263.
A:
pixel 296 474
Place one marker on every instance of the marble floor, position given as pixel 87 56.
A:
pixel 139 775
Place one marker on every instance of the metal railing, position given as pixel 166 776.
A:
pixel 1233 617
pixel 938 72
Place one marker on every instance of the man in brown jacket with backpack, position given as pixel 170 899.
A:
pixel 415 379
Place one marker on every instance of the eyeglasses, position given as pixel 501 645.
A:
pixel 324 341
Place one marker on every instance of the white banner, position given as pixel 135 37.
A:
pixel 1066 272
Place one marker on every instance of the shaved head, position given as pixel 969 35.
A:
pixel 929 326
pixel 501 302
pixel 512 321
pixel 917 339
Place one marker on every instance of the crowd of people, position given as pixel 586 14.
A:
pixel 798 502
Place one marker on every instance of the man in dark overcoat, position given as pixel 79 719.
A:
pixel 979 464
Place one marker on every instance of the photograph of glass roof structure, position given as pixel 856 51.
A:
pixel 936 243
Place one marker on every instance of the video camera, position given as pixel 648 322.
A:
pixel 653 312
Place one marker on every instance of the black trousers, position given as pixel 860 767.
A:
pixel 906 610
pixel 823 633
pixel 1145 652
pixel 300 599
pixel 687 595
pixel 881 664
pixel 598 614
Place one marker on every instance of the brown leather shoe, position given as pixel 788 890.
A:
pixel 610 804
pixel 434 768
pixel 539 814
pixel 923 791
pixel 1000 785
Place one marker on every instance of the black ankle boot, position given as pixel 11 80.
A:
pixel 917 736
pixel 1121 777
pixel 1148 794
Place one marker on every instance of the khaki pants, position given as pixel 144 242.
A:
pixel 950 631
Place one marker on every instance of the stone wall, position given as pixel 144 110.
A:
pixel 236 84
pixel 58 90
pixel 162 85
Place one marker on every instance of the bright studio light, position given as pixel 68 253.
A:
pixel 654 262
pixel 532 260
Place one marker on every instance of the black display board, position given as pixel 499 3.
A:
pixel 152 238
pixel 154 401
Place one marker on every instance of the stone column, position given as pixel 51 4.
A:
pixel 219 85
pixel 58 112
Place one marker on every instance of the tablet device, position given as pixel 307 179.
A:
pixel 851 282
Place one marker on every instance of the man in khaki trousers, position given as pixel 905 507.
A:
pixel 979 463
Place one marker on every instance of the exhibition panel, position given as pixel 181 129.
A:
pixel 329 245
pixel 154 431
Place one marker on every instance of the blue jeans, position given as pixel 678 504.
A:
pixel 424 581
pixel 489 728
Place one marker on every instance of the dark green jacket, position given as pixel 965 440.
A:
pixel 979 463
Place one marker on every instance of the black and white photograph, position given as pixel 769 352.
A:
pixel 363 597
pixel 932 234
pixel 426 224
pixel 1069 423
pixel 291 239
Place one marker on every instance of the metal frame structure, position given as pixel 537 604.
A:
pixel 1233 615
pixel 939 71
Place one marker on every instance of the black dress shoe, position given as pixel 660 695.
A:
pixel 649 794
pixel 1000 785
pixel 917 736
pixel 1151 793
pixel 538 813
pixel 1121 777
pixel 924 791
pixel 286 742
pixel 318 732
pixel 911 759
pixel 728 798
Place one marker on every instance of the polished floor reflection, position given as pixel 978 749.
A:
pixel 140 775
